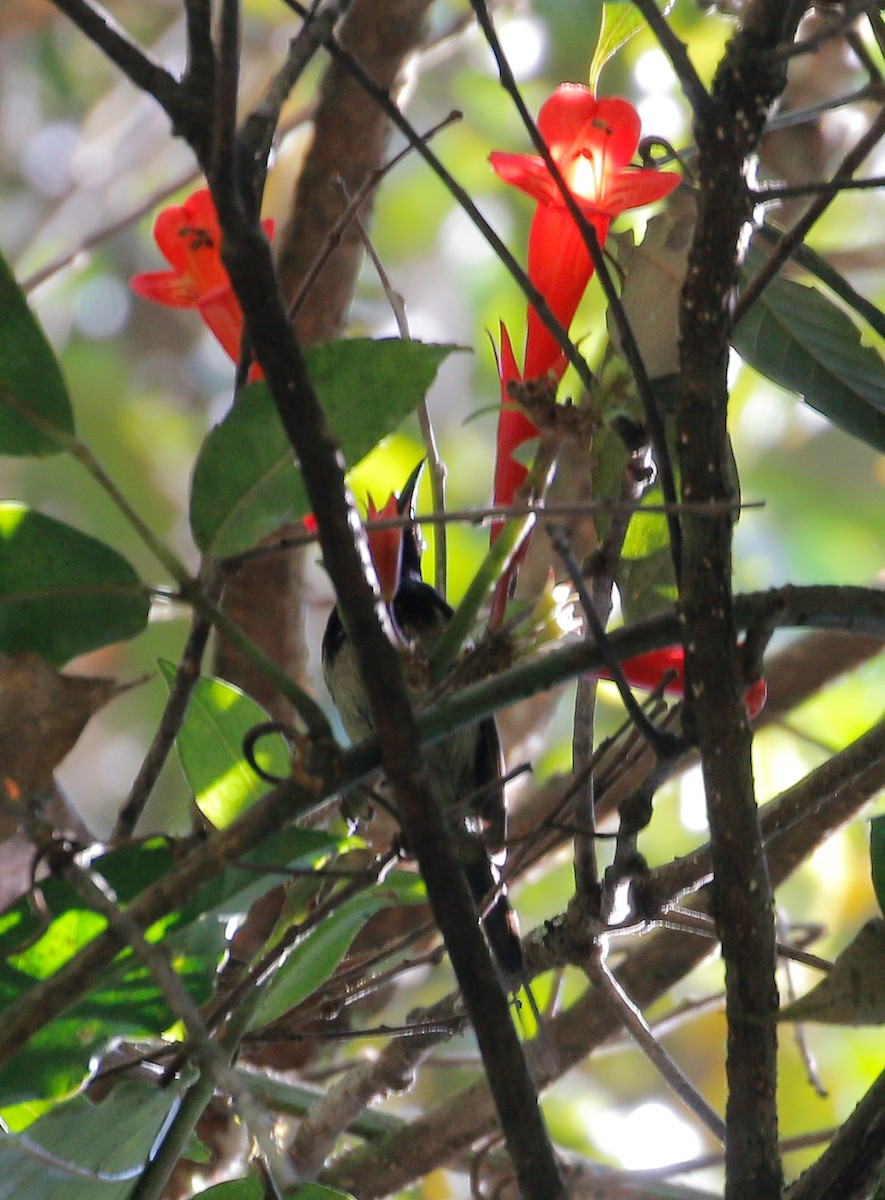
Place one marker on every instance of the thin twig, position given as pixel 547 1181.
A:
pixel 102 30
pixel 630 1016
pixel 839 183
pixel 212 1059
pixel 187 674
pixel 663 744
pixel 797 234
pixel 692 86
pixel 435 464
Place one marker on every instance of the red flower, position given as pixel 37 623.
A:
pixel 189 237
pixel 591 141
pixel 385 545
pixel 514 428
pixel 648 671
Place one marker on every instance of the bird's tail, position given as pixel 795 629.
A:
pixel 499 921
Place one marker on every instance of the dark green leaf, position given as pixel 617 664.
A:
pixel 82 1151
pixel 235 1189
pixel 316 1191
pixel 246 484
pixel 210 745
pixel 797 337
pixel 818 266
pixel 63 593
pixel 30 379
pixel 877 858
pixel 312 960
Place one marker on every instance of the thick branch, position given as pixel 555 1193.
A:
pixel 750 77
pixel 854 1162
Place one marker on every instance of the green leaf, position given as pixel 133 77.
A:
pixel 877 858
pixel 83 1151
pixel 250 1188
pixel 620 20
pixel 644 573
pixel 210 745
pixel 798 338
pixel 246 483
pixel 63 593
pixel 316 1191
pixel 313 959
pixel 30 379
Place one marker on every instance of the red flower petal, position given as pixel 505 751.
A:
pixel 633 189
pixel 565 115
pixel 514 428
pixel 647 671
pixel 165 287
pixel 528 173
pixel 755 697
pixel 560 267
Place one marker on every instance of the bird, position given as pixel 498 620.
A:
pixel 465 768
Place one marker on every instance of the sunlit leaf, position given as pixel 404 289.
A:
pixel 797 337
pixel 30 379
pixel 853 993
pixel 63 593
pixel 312 960
pixel 210 745
pixel 126 1000
pixel 246 483
pixel 620 20
pixel 83 1151
pixel 877 858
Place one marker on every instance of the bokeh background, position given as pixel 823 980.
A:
pixel 84 164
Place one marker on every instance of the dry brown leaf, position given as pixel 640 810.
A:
pixel 42 714
pixel 853 993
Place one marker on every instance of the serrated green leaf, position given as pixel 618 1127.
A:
pixel 30 379
pixel 313 960
pixel 797 337
pixel 83 1151
pixel 246 484
pixel 620 20
pixel 210 745
pixel 877 858
pixel 63 593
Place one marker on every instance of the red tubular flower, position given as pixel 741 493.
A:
pixel 385 545
pixel 514 428
pixel 648 671
pixel 591 141
pixel 189 237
